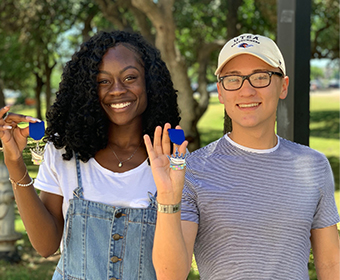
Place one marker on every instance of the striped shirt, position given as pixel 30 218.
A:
pixel 255 208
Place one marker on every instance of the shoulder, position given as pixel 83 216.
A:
pixel 207 151
pixel 53 157
pixel 198 159
pixel 301 151
pixel 303 158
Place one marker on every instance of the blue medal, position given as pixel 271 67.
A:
pixel 37 132
pixel 176 136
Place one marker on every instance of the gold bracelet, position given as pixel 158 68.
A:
pixel 23 177
pixel 168 208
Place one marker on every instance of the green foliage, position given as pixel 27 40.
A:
pixel 325 29
pixel 316 73
pixel 13 71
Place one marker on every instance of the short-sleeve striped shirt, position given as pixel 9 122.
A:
pixel 255 208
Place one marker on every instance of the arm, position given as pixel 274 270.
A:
pixel 326 251
pixel 174 240
pixel 42 218
pixel 173 246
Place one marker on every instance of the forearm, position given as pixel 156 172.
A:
pixel 42 228
pixel 170 255
pixel 326 251
pixel 328 271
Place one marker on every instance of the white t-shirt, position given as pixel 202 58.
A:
pixel 128 189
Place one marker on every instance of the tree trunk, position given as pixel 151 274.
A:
pixel 2 95
pixel 48 73
pixel 111 11
pixel 232 31
pixel 160 15
pixel 38 89
pixel 87 27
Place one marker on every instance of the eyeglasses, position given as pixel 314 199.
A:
pixel 257 80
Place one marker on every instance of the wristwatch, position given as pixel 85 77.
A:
pixel 168 208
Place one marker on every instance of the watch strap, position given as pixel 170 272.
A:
pixel 168 208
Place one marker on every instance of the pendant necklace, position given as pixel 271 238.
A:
pixel 120 164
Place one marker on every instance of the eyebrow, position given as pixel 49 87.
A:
pixel 123 70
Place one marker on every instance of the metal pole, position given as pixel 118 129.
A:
pixel 294 41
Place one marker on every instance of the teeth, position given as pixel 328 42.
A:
pixel 248 105
pixel 120 105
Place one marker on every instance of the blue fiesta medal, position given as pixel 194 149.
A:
pixel 176 136
pixel 37 132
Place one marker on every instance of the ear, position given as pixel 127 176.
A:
pixel 284 89
pixel 219 90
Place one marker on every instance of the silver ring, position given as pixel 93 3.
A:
pixel 5 116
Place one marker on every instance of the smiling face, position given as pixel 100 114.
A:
pixel 249 107
pixel 121 86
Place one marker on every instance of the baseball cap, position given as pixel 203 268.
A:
pixel 260 46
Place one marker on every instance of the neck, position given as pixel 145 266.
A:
pixel 260 140
pixel 125 136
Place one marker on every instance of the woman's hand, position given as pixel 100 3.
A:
pixel 13 138
pixel 169 182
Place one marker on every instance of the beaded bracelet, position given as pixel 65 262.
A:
pixel 21 185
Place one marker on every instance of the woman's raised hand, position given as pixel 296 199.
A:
pixel 13 138
pixel 169 182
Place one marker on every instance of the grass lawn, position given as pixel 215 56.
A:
pixel 324 137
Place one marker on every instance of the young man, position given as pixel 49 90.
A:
pixel 253 203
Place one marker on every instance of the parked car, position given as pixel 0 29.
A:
pixel 334 84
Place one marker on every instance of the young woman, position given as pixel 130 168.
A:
pixel 97 200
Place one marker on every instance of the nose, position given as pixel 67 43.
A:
pixel 117 88
pixel 247 89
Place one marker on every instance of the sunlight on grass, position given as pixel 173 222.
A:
pixel 329 147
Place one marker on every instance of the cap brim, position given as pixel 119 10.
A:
pixel 264 59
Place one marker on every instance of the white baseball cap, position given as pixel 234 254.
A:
pixel 260 46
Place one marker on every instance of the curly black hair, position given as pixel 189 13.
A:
pixel 78 123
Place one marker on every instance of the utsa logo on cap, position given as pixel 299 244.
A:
pixel 244 45
pixel 259 46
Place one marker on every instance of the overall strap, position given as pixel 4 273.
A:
pixel 153 200
pixel 78 192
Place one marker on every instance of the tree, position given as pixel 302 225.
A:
pixel 32 30
pixel 13 72
pixel 325 29
pixel 189 34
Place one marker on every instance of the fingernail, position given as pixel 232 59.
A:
pixel 7 127
pixel 33 119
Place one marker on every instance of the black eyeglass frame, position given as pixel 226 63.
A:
pixel 270 73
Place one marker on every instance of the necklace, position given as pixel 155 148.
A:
pixel 120 164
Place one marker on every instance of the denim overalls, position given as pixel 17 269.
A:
pixel 105 242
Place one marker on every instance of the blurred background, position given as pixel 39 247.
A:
pixel 37 38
